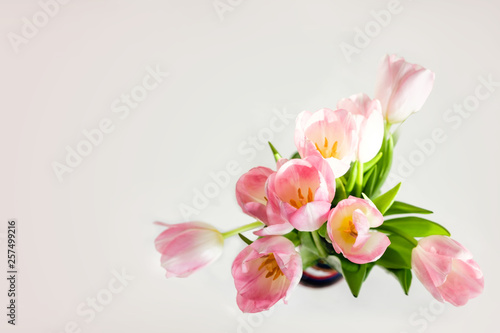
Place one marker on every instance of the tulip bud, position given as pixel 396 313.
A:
pixel 447 270
pixel 402 88
pixel 188 247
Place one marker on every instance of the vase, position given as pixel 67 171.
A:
pixel 320 275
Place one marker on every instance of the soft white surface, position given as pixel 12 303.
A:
pixel 226 77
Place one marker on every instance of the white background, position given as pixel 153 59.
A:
pixel 228 73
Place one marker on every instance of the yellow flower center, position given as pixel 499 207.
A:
pixel 352 230
pixel 327 151
pixel 301 201
pixel 270 264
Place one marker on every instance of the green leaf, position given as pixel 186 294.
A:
pixel 399 207
pixel 415 226
pixel 358 186
pixel 384 201
pixel 295 155
pixel 352 177
pixel 277 155
pixel 369 187
pixel 367 176
pixel 354 278
pixel 246 240
pixel 371 163
pixel 294 237
pixel 385 162
pixel 340 192
pixel 308 250
pixel 397 255
pixel 404 277
pixel 369 267
pixel 322 230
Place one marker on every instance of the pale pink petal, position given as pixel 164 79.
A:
pixel 362 225
pixel 406 100
pixel 425 276
pixel 251 193
pixel 463 283
pixel 293 176
pixel 275 229
pixel 371 251
pixel 300 138
pixel 311 216
pixel 370 124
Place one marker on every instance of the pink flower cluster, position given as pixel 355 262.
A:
pixel 299 194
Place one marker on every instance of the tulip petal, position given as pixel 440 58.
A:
pixel 311 216
pixel 372 249
pixel 251 193
pixel 464 282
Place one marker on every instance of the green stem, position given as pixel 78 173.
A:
pixel 246 227
pixel 319 246
pixel 386 160
pixel 387 129
pixel 398 232
pixel 352 178
pixel 358 187
pixel 370 164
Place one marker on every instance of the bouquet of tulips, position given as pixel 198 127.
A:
pixel 324 206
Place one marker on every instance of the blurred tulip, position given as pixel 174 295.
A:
pixel 447 270
pixel 188 247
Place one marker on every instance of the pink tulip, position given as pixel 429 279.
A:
pixel 447 270
pixel 251 192
pixel 370 124
pixel 251 196
pixel 265 272
pixel 402 88
pixel 328 134
pixel 188 247
pixel 349 226
pixel 301 191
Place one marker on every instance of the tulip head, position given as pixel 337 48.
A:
pixel 265 272
pixel 402 88
pixel 301 191
pixel 370 124
pixel 252 198
pixel 251 192
pixel 188 247
pixel 447 270
pixel 349 226
pixel 327 134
